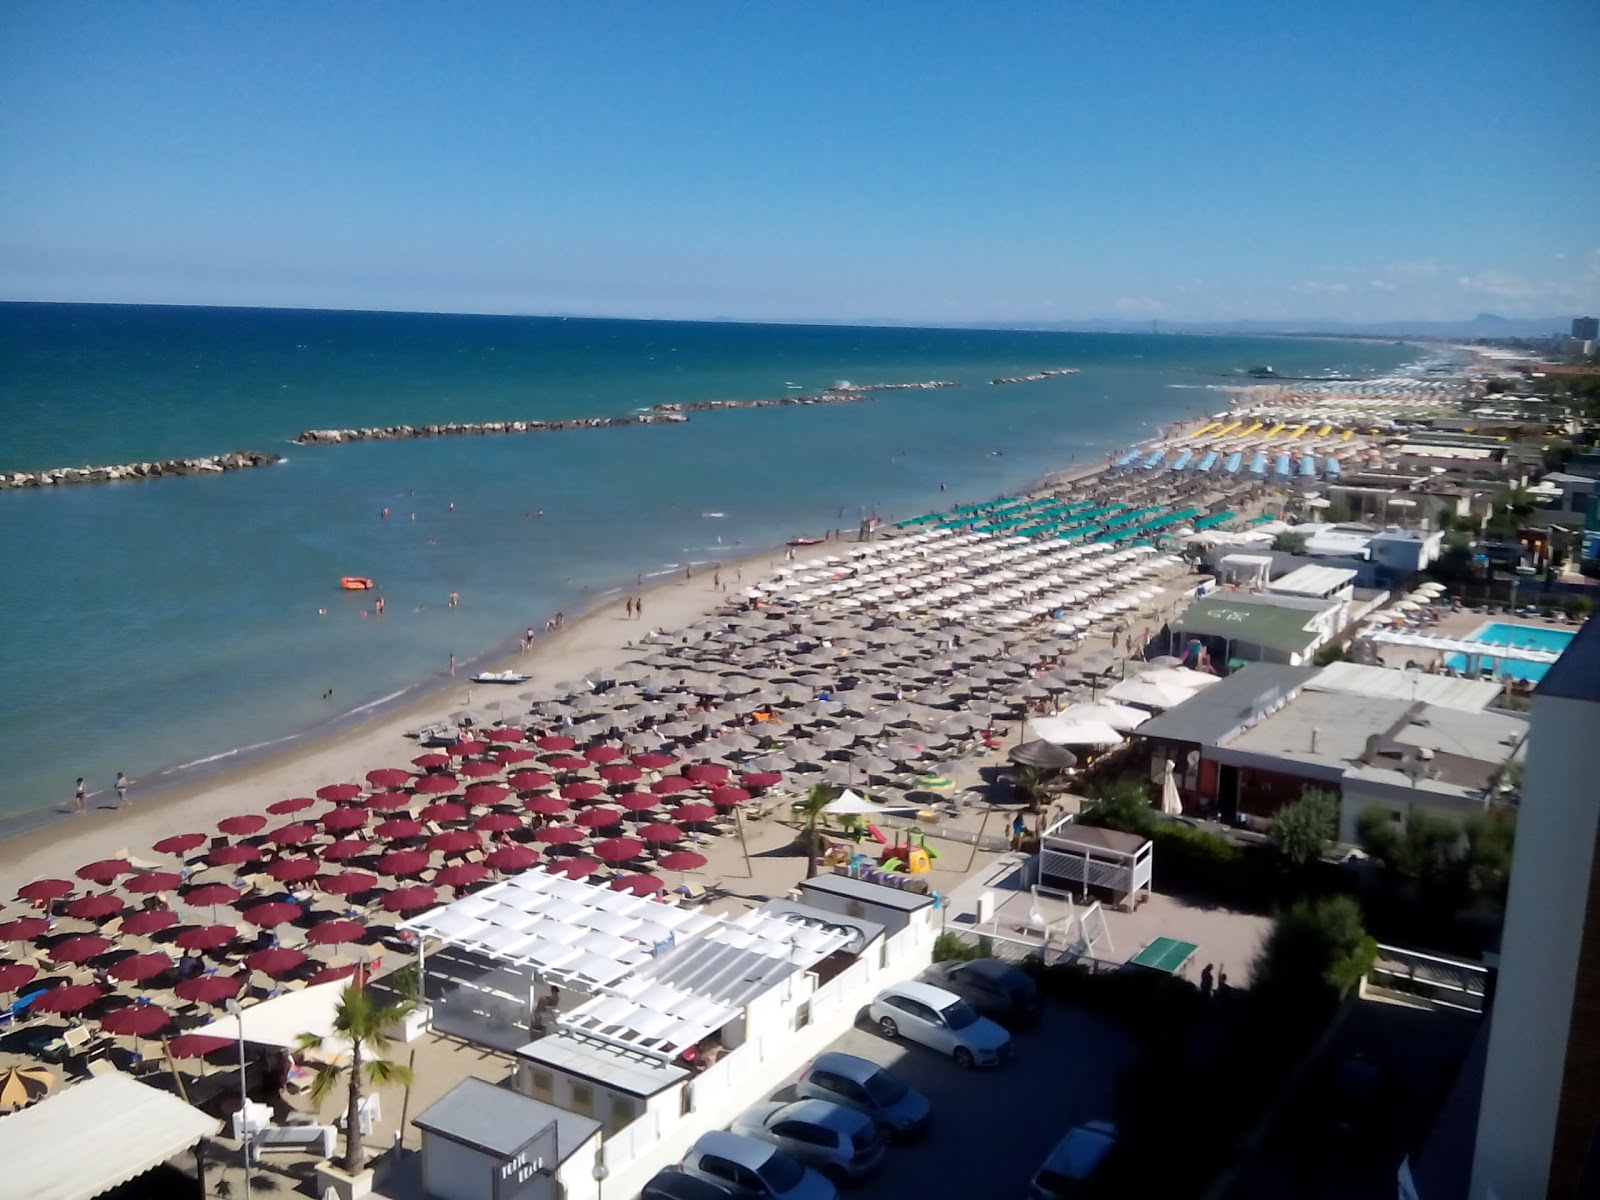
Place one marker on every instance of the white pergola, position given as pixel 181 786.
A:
pixel 1461 646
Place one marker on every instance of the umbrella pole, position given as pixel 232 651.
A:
pixel 738 822
pixel 177 1076
pixel 982 825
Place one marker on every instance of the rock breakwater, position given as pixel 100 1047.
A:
pixel 1051 373
pixel 210 464
pixel 845 386
pixel 389 433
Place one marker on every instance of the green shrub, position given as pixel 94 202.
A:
pixel 950 947
pixel 1314 955
pixel 1302 829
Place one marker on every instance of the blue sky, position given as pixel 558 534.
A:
pixel 908 159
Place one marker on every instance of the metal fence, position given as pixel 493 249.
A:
pixel 1443 982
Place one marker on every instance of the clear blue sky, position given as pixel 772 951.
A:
pixel 911 159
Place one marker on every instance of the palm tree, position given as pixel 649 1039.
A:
pixel 363 1022
pixel 810 810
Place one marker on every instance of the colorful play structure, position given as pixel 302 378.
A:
pixel 897 861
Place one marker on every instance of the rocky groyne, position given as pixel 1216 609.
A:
pixel 839 393
pixel 211 464
pixel 391 433
pixel 846 387
pixel 1052 373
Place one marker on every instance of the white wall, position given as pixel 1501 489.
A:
pixel 1538 962
pixel 1357 795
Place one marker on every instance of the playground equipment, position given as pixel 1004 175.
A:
pixel 914 858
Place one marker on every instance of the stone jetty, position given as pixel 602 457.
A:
pixel 1052 373
pixel 839 393
pixel 845 386
pixel 390 433
pixel 209 465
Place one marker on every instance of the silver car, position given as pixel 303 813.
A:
pixel 942 1021
pixel 753 1169
pixel 863 1085
pixel 1074 1161
pixel 839 1143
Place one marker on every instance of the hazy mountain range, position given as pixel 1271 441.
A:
pixel 1484 325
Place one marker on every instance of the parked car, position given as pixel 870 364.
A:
pixel 674 1184
pixel 942 1021
pixel 754 1170
pixel 997 990
pixel 832 1140
pixel 1074 1161
pixel 863 1085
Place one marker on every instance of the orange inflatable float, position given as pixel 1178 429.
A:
pixel 356 583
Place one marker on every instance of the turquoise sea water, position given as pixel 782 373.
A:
pixel 150 625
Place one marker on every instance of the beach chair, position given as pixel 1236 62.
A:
pixel 99 1067
pixel 692 890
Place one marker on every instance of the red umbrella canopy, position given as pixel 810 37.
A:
pixel 348 884
pixel 586 790
pixel 638 885
pixel 16 975
pixel 389 801
pixel 620 773
pixel 336 933
pixel 283 808
pixel 653 761
pixel 135 1020
pixel 429 761
pixel 574 868
pixel 346 848
pixel 506 735
pixel 149 920
pixel 209 989
pixel 180 843
pixel 332 974
pixel 75 997
pixel 227 856
pixel 243 825
pixel 139 967
pixel 45 889
pixel 497 822
pixel 682 860
pixel 480 769
pixel 728 795
pixel 659 832
pixel 408 899
pixel 637 802
pixel 293 870
pixel 23 929
pixel 443 812
pixel 559 835
pixel 455 841
pixel 618 849
pixel 105 870
pixel 339 791
pixel 274 912
pixel 528 781
pixel 693 812
pixel 93 908
pixel 486 793
pixel 275 961
pixel 671 785
pixel 80 948
pixel 566 762
pixel 761 779
pixel 510 858
pixel 515 754
pixel 342 820
pixel 458 875
pixel 554 742
pixel 403 862
pixel 545 806
pixel 212 893
pixel 399 827
pixel 204 937
pixel 434 785
pixel 153 881
pixel 706 772
pixel 467 749
pixel 598 818
pixel 293 835
pixel 197 1045
pixel 602 754
pixel 390 777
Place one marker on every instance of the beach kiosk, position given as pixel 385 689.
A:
pixel 483 1142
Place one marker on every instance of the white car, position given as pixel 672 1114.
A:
pixel 942 1021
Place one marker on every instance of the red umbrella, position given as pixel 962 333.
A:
pixel 212 893
pixel 139 967
pixel 545 806
pixel 681 860
pixel 706 772
pixel 135 1020
pixel 336 933
pixel 342 820
pixel 75 997
pixel 528 781
pixel 403 862
pixel 582 791
pixel 16 975
pixel 434 785
pixel 407 899
pixel 511 858
pixel 149 920
pixel 598 818
pixel 389 801
pixel 559 835
pixel 275 961
pixel 346 848
pixel 497 822
pixel 467 749
pixel 455 841
pixel 197 1045
pixel 293 870
pixel 429 761
pixel 45 889
pixel 228 856
pixel 458 875
pixel 283 808
pixel 600 755
pixel 514 755
pixel 639 885
pixel 727 795
pixel 243 825
pixel 399 827
pixel 443 812
pixel 761 779
pixel 204 937
pixel 272 913
pixel 620 773
pixel 653 761
pixel 574 868
pixel 480 769
pixel 339 791
pixel 93 908
pixel 348 884
pixel 671 785
pixel 209 989
pixel 105 870
pixel 693 812
pixel 486 793
pixel 293 835
pixel 554 742
pixel 636 802
pixel 507 734
pixel 566 762
pixel 180 843
pixel 23 929
pixel 389 777
pixel 80 948
pixel 331 975
pixel 153 881
pixel 659 833
pixel 618 849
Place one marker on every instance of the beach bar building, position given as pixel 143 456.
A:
pixel 484 1142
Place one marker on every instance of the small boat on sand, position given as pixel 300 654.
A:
pixel 805 541
pixel 500 677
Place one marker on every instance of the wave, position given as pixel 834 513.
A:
pixel 226 754
pixel 381 700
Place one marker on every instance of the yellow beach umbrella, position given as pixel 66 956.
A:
pixel 20 1085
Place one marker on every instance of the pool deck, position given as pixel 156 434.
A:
pixel 1466 625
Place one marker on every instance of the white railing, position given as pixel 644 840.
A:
pixel 1443 982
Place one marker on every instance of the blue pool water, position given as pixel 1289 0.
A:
pixel 1525 637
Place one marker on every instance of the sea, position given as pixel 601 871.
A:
pixel 170 627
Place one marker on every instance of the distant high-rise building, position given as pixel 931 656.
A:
pixel 1586 329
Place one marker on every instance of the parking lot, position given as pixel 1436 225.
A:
pixel 992 1128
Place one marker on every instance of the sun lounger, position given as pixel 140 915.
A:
pixel 293 1139
pixel 101 1066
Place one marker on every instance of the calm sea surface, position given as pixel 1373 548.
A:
pixel 150 625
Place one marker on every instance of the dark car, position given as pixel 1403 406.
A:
pixel 999 991
pixel 673 1184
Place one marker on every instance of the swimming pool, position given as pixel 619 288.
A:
pixel 1525 637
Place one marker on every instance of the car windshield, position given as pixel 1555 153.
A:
pixel 782 1172
pixel 959 1015
pixel 885 1089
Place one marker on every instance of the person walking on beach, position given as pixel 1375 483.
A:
pixel 122 790
pixel 452 666
pixel 80 796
